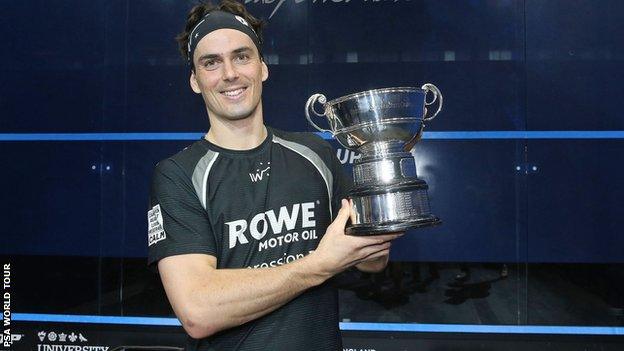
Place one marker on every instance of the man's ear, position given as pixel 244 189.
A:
pixel 265 71
pixel 193 82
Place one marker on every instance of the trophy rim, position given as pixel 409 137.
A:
pixel 378 90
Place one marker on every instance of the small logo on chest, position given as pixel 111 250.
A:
pixel 261 172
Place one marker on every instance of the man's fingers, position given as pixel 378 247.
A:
pixel 369 250
pixel 343 214
pixel 375 254
pixel 388 237
pixel 364 241
pixel 352 213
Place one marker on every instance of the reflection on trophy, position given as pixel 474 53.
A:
pixel 383 125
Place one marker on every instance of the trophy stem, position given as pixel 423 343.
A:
pixel 382 148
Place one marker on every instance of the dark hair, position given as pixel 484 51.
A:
pixel 199 11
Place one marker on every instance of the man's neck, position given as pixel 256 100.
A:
pixel 243 134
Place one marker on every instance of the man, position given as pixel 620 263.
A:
pixel 240 222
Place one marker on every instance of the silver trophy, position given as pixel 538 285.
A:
pixel 383 125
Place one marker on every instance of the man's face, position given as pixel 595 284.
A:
pixel 229 74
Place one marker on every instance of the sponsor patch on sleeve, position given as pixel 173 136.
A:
pixel 155 231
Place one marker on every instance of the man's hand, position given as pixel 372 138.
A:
pixel 373 266
pixel 377 264
pixel 338 251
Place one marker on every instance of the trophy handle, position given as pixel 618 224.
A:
pixel 310 107
pixel 437 95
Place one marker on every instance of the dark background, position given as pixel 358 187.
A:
pixel 548 210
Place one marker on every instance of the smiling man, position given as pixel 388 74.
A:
pixel 246 225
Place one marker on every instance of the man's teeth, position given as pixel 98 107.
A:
pixel 233 92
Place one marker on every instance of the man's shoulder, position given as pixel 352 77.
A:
pixel 308 139
pixel 184 161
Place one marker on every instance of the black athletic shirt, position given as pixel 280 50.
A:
pixel 262 207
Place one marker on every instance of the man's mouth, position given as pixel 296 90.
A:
pixel 234 93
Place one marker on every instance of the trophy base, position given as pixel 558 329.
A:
pixel 386 228
pixel 390 208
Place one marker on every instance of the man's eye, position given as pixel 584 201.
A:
pixel 210 64
pixel 242 57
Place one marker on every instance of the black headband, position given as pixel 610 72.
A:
pixel 215 20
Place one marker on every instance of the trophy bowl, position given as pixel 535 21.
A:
pixel 383 125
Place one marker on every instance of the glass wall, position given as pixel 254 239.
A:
pixel 523 163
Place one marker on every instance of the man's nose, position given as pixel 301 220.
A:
pixel 229 70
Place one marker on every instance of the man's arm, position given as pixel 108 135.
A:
pixel 208 300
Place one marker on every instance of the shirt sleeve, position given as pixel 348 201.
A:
pixel 177 222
